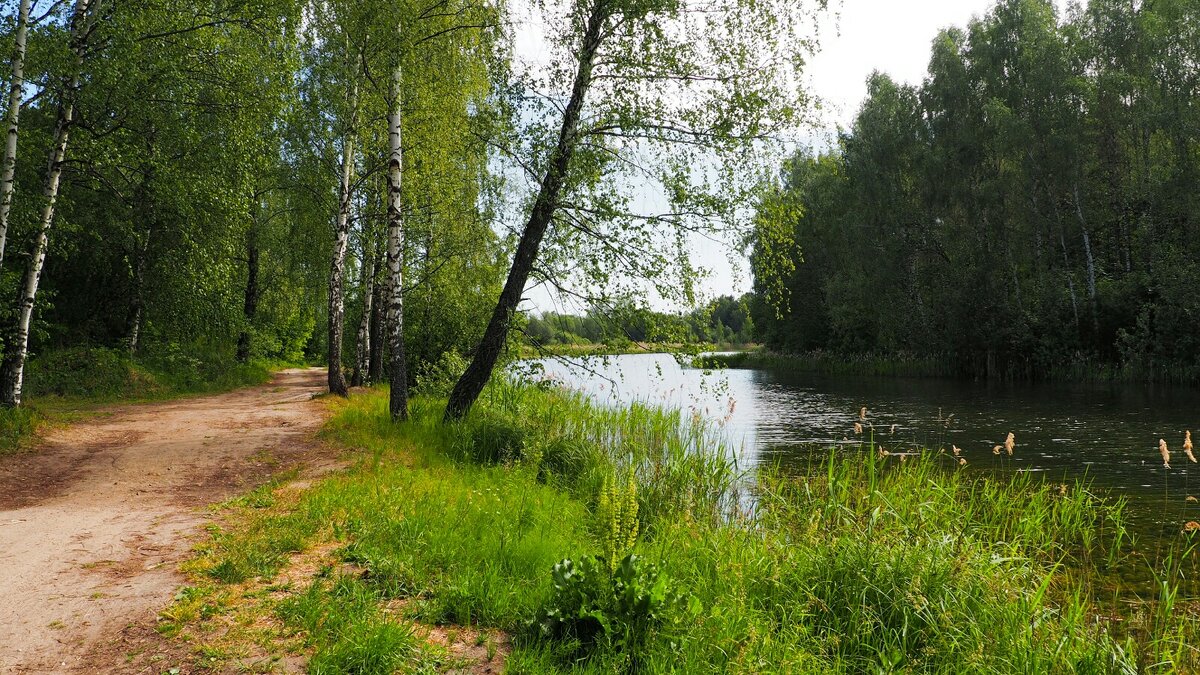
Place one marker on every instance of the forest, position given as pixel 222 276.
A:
pixel 269 268
pixel 723 321
pixel 1028 210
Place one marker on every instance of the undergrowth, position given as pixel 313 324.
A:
pixel 60 383
pixel 607 540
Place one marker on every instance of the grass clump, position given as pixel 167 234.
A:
pixel 611 540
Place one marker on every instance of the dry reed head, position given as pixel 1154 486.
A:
pixel 862 414
pixel 1187 446
pixel 996 449
pixel 962 462
pixel 1166 454
pixel 1190 498
pixel 883 453
pixel 857 428
pixel 957 450
pixel 1010 443
pixel 893 430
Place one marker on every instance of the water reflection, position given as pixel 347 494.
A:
pixel 1108 434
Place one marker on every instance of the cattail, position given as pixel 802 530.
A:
pixel 1166 454
pixel 1187 446
pixel 1010 443
pixel 862 414
pixel 996 449
pixel 957 450
pixel 857 428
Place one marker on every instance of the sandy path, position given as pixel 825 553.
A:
pixel 93 523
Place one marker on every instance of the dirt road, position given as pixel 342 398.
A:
pixel 93 524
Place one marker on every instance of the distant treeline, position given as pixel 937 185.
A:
pixel 725 320
pixel 1030 209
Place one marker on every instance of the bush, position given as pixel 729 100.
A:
pixel 615 609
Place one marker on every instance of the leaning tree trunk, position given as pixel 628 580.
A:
pixel 13 370
pixel 250 303
pixel 398 366
pixel 337 266
pixel 472 382
pixel 362 354
pixel 15 90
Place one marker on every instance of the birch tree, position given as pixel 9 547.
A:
pixel 82 22
pixel 679 95
pixel 398 396
pixel 341 238
pixel 16 90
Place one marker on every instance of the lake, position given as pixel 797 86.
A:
pixel 1106 434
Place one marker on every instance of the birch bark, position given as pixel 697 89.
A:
pixel 16 89
pixel 337 266
pixel 362 354
pixel 398 398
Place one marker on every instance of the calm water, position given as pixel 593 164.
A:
pixel 1107 434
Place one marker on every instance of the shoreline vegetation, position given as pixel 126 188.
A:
pixel 909 365
pixel 531 351
pixel 544 533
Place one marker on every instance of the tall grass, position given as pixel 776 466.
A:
pixel 848 563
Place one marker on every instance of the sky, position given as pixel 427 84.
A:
pixel 857 37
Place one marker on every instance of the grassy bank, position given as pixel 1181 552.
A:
pixel 563 537
pixel 61 383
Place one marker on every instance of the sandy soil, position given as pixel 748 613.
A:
pixel 94 522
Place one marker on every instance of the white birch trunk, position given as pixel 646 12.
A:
pixel 15 92
pixel 17 350
pixel 337 266
pixel 1091 263
pixel 362 352
pixel 398 399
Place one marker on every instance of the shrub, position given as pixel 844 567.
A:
pixel 612 608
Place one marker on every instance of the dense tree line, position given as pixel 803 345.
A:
pixel 725 320
pixel 1030 208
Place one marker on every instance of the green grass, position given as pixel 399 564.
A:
pixel 850 563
